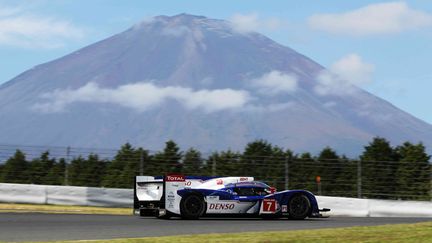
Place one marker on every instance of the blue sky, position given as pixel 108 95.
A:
pixel 385 45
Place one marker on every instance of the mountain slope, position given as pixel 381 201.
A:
pixel 197 81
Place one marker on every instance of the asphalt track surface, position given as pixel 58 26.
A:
pixel 50 227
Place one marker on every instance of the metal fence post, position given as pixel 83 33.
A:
pixel 141 171
pixel 286 173
pixel 66 173
pixel 430 176
pixel 214 167
pixel 359 179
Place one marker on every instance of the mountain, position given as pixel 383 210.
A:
pixel 200 82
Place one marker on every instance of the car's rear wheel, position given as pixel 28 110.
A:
pixel 192 206
pixel 299 207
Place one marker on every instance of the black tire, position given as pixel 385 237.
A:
pixel 192 206
pixel 299 207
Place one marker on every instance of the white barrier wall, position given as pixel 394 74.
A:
pixel 18 193
pixel 65 195
pixel 343 206
pixel 354 207
pixel 109 197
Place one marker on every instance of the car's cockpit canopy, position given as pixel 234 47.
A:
pixel 250 188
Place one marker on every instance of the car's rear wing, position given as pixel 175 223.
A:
pixel 157 195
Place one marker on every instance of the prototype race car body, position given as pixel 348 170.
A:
pixel 194 197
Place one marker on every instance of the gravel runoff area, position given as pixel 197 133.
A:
pixel 52 227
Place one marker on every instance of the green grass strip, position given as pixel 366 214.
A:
pixel 419 232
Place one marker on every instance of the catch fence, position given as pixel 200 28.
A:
pixel 116 168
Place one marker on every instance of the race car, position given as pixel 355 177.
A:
pixel 192 197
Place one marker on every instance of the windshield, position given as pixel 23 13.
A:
pixel 250 191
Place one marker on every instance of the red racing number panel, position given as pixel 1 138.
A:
pixel 269 205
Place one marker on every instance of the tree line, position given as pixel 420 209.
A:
pixel 381 171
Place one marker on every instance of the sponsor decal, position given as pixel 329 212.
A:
pixel 221 206
pixel 284 208
pixel 175 177
pixel 243 178
pixel 188 183
pixel 219 182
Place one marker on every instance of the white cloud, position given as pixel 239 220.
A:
pixel 380 18
pixel 144 96
pixel 212 100
pixel 344 76
pixel 271 107
pixel 331 84
pixel 18 28
pixel 144 21
pixel 253 22
pixel 175 31
pixel 353 69
pixel 275 82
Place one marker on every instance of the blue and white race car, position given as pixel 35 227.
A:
pixel 192 197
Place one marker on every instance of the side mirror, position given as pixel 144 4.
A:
pixel 272 190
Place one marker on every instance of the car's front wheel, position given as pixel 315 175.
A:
pixel 299 207
pixel 192 206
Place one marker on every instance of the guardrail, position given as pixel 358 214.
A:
pixel 110 197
